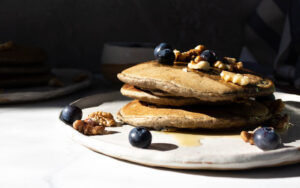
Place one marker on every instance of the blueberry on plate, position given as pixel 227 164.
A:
pixel 70 114
pixel 160 47
pixel 209 56
pixel 266 98
pixel 266 138
pixel 166 56
pixel 140 137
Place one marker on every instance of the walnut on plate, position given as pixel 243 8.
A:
pixel 103 118
pixel 247 136
pixel 95 123
pixel 87 127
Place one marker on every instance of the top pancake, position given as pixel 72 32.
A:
pixel 206 86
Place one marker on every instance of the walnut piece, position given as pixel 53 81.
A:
pixel 200 47
pixel 223 66
pixel 88 127
pixel 103 118
pixel 229 63
pixel 247 137
pixel 230 60
pixel 95 123
pixel 198 59
pixel 176 53
pixel 188 55
pixel 235 78
pixel 238 66
pixel 201 65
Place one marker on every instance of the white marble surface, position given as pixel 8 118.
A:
pixel 36 153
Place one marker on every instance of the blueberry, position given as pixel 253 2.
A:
pixel 140 137
pixel 209 56
pixel 166 56
pixel 70 114
pixel 266 138
pixel 160 47
pixel 266 98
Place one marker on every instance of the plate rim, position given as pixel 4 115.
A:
pixel 7 97
pixel 108 97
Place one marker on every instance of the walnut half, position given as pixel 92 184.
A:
pixel 201 65
pixel 95 123
pixel 247 137
pixel 103 118
pixel 235 78
pixel 189 55
pixel 87 127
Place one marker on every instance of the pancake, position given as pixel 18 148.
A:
pixel 157 92
pixel 236 115
pixel 205 86
pixel 135 93
pixel 22 55
pixel 22 66
pixel 23 70
pixel 25 81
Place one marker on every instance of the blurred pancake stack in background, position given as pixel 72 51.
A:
pixel 22 66
pixel 25 76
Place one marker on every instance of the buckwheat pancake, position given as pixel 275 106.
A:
pixel 23 70
pixel 24 81
pixel 235 115
pixel 157 92
pixel 147 96
pixel 203 85
pixel 22 66
pixel 22 55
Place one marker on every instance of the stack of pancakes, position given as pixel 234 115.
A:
pixel 168 96
pixel 22 66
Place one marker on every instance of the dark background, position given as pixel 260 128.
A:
pixel 74 31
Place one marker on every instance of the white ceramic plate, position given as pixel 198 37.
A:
pixel 47 92
pixel 189 150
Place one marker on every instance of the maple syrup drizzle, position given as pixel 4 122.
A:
pixel 192 139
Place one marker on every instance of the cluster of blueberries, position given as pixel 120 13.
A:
pixel 265 138
pixel 165 55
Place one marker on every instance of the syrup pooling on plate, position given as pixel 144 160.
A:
pixel 193 138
